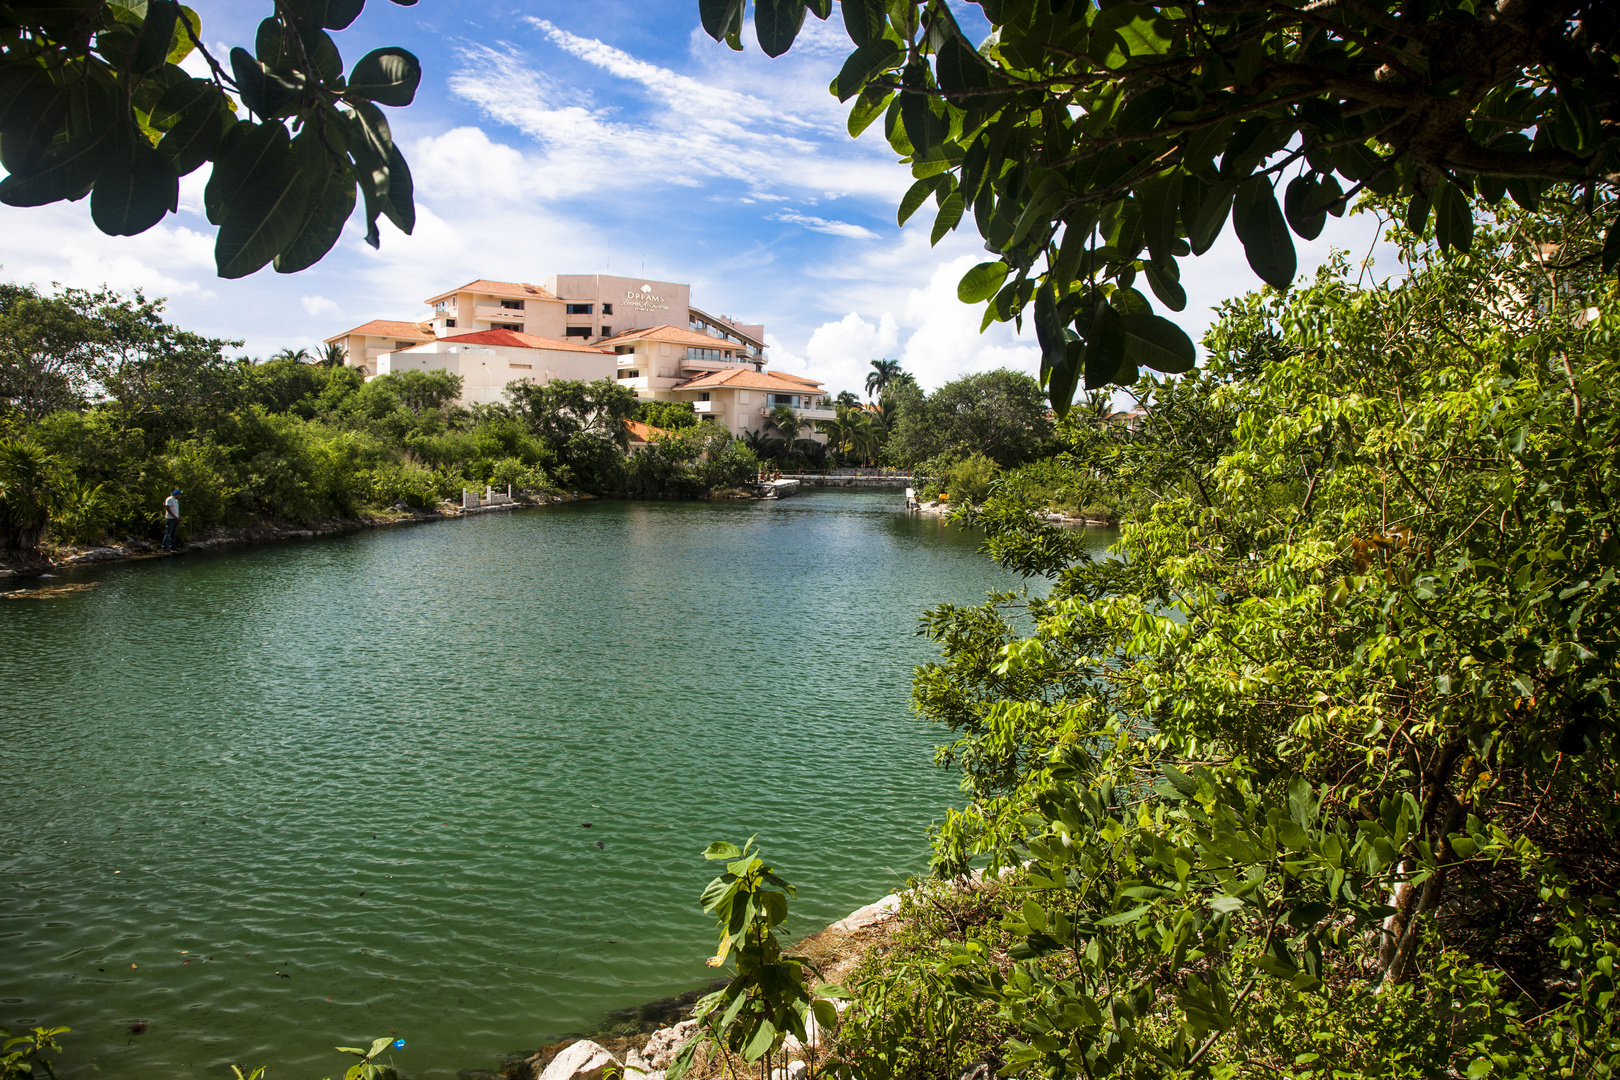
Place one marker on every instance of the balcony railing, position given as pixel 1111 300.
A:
pixel 803 414
pixel 498 313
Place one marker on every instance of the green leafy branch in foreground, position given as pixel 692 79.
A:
pixel 1098 144
pixel 1314 776
pixel 21 1055
pixel 93 101
pixel 767 999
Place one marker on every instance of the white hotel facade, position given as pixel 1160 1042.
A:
pixel 644 334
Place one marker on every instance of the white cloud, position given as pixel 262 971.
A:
pixel 319 305
pixel 822 225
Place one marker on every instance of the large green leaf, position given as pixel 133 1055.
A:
pixel 950 212
pixel 155 36
pixel 959 68
pixel 134 189
pixel 722 19
pixel 1155 342
pixel 35 119
pixel 1266 241
pixel 777 23
pixel 1104 357
pixel 254 149
pixel 872 103
pixel 862 64
pixel 1213 211
pixel 331 200
pixel 982 282
pixel 264 92
pixel 387 76
pixel 1303 204
pixel 65 172
pixel 914 197
pixel 1166 285
pixel 264 218
pixel 1453 218
pixel 200 128
pixel 400 207
pixel 1160 199
pixel 330 14
pixel 864 20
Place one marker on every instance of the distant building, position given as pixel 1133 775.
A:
pixel 487 360
pixel 644 334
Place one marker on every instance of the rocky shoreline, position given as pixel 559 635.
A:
pixel 130 549
pixel 831 953
pixel 1056 517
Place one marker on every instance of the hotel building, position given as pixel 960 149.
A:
pixel 587 327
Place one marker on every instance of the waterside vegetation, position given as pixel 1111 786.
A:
pixel 105 407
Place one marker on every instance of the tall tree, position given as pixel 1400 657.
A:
pixel 883 373
pixel 1097 144
pixel 49 346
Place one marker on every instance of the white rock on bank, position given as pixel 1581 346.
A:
pixel 584 1060
pixel 812 1032
pixel 870 915
pixel 796 1070
pixel 637 1067
pixel 665 1043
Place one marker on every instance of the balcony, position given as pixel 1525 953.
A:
pixel 498 313
pixel 709 408
pixel 804 414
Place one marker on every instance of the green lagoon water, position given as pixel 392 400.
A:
pixel 289 797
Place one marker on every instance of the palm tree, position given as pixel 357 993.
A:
pixel 847 400
pixel 299 356
pixel 334 355
pixel 882 374
pixel 27 497
pixel 788 426
pixel 867 436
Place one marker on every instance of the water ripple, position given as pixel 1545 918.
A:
pixel 285 798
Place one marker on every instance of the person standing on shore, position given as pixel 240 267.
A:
pixel 171 520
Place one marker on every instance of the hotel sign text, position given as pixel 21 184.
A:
pixel 645 300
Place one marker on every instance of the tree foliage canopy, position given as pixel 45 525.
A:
pixel 93 102
pixel 1098 144
pixel 1313 776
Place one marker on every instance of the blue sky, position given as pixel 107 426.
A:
pixel 584 136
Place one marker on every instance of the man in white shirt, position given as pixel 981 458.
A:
pixel 171 520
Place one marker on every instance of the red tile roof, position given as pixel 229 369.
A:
pixel 515 339
pixel 520 290
pixel 749 379
pixel 640 432
pixel 389 328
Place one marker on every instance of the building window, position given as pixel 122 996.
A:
pixel 790 400
pixel 443 306
pixel 607 309
pixel 450 324
pixel 505 326
pixel 703 396
pixel 742 397
pixel 607 331
pixel 631 374
pixel 512 305
pixel 525 367
pixel 577 331
pixel 403 344
pixel 580 309
pixel 693 353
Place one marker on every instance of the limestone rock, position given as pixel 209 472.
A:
pixel 796 1070
pixel 637 1067
pixel 584 1060
pixel 870 915
pixel 665 1043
